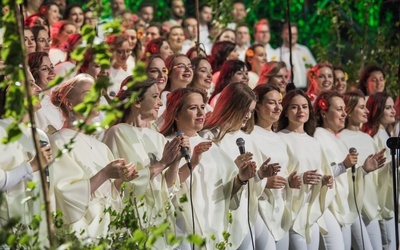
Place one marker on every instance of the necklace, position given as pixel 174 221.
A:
pixel 88 143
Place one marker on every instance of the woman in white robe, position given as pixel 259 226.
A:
pixel 296 127
pixel 156 159
pixel 381 116
pixel 216 179
pixel 344 209
pixel 18 165
pixel 273 205
pixel 82 177
pixel 352 136
pixel 226 124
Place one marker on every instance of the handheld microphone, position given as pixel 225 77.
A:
pixel 184 150
pixel 44 144
pixel 353 168
pixel 240 143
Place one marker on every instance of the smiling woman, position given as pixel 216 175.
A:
pixel 322 78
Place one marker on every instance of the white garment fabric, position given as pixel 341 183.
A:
pixel 70 177
pixel 374 232
pixel 57 56
pixel 187 45
pixel 49 117
pixel 310 201
pixel 66 69
pixel 302 60
pixel 272 205
pixel 213 180
pixel 272 54
pixel 144 147
pixel 116 78
pixel 239 228
pixel 130 64
pixel 242 52
pixel 204 39
pixel 298 242
pixel 253 79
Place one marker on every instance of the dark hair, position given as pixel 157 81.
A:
pixel 376 105
pixel 219 52
pixel 36 29
pixel 247 55
pixel 175 103
pixel 222 32
pixel 158 26
pixel 144 5
pixel 309 126
pixel 318 106
pixel 286 25
pixel 228 69
pixel 261 90
pixel 365 74
pixel 202 6
pixel 35 60
pixel 126 91
pixel 69 9
pixel 194 49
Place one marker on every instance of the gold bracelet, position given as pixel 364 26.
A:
pixel 240 181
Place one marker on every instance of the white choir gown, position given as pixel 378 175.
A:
pixel 70 177
pixel 239 228
pixel 310 201
pixel 144 147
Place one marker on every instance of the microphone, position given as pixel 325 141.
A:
pixel 240 143
pixel 184 150
pixel 44 144
pixel 353 168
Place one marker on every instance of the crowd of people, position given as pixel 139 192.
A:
pixel 315 172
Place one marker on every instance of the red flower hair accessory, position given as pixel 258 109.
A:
pixel 111 39
pixel 323 104
pixel 43 9
pixel 139 34
pixel 250 53
pixel 311 97
pixel 154 49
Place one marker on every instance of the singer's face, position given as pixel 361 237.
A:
pixel 298 112
pixel 191 118
pixel 388 113
pixel 270 108
pixel 150 104
pixel 359 114
pixel 335 116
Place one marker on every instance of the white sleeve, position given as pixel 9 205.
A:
pixel 15 176
pixel 338 169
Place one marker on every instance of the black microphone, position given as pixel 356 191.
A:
pixel 184 150
pixel 353 168
pixel 240 143
pixel 46 170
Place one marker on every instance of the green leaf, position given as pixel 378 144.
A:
pixel 13 133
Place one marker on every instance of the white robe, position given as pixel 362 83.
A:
pixel 310 201
pixel 384 180
pixel 272 205
pixel 144 147
pixel 343 205
pixel 365 146
pixel 49 116
pixel 70 181
pixel 239 228
pixel 213 180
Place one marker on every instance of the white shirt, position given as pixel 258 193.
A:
pixel 302 60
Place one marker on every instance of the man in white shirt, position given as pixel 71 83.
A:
pixel 205 21
pixel 239 14
pixel 242 40
pixel 146 12
pixel 190 29
pixel 301 56
pixel 262 35
pixel 177 10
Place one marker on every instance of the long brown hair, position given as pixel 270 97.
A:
pixel 323 99
pixel 309 126
pixel 261 90
pixel 351 101
pixel 175 103
pixel 233 105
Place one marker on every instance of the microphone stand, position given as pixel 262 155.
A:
pixel 290 47
pixel 394 144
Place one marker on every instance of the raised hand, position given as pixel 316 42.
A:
pixel 268 170
pixel 198 150
pixel 276 182
pixel 294 180
pixel 350 160
pixel 375 161
pixel 327 180
pixel 311 177
pixel 247 170
pixel 243 158
pixel 171 151
pixel 115 169
pixel 46 152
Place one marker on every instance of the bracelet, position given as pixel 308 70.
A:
pixel 240 181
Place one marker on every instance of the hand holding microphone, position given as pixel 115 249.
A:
pixel 247 168
pixel 351 161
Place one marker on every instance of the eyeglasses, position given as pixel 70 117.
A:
pixel 183 66
pixel 120 51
